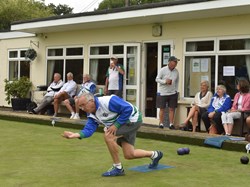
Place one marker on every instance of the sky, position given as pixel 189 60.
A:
pixel 78 5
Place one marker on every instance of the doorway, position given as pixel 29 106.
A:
pixel 151 73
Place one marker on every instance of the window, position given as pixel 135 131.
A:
pixel 200 46
pixel 100 60
pixel 235 44
pixel 198 68
pixel 18 65
pixel 241 66
pixel 63 60
pixel 211 64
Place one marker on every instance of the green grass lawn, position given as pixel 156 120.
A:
pixel 37 155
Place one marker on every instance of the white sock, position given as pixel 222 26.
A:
pixel 171 124
pixel 72 113
pixel 77 114
pixel 154 154
pixel 118 166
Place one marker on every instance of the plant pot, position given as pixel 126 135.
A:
pixel 20 103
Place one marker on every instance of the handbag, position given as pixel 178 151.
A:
pixel 212 129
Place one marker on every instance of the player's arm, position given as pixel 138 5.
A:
pixel 70 135
pixel 86 132
pixel 121 107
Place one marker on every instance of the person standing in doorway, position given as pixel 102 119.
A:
pixel 114 78
pixel 168 79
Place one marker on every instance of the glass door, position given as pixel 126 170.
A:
pixel 132 73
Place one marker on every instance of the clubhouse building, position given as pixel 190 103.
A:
pixel 210 37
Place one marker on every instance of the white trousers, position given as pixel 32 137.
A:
pixel 228 117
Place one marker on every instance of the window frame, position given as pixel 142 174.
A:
pixel 19 59
pixel 216 53
pixel 64 57
pixel 106 56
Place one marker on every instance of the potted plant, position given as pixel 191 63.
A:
pixel 17 93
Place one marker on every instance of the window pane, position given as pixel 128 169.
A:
pixel 131 96
pixel 239 44
pixel 25 69
pixel 76 67
pixel 241 63
pixel 104 50
pixel 131 66
pixel 200 46
pixel 13 70
pixel 98 70
pixel 23 54
pixel 54 66
pixel 13 54
pixel 198 68
pixel 74 51
pixel 118 49
pixel 55 52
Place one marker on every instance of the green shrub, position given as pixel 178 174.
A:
pixel 17 88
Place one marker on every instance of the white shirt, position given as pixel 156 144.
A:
pixel 240 102
pixel 69 87
pixel 53 86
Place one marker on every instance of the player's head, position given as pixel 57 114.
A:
pixel 86 102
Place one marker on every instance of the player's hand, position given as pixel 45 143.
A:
pixel 112 130
pixel 70 135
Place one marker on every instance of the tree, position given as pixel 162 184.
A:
pixel 61 9
pixel 16 10
pixel 110 4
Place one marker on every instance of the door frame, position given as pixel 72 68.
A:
pixel 138 72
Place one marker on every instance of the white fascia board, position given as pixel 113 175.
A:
pixel 168 10
pixel 11 35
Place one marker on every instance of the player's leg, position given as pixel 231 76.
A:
pixel 116 169
pixel 127 142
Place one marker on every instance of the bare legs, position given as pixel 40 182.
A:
pixel 193 114
pixel 58 99
pixel 161 115
pixel 128 150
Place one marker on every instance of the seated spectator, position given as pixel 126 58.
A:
pixel 87 87
pixel 53 88
pixel 220 102
pixel 199 106
pixel 241 103
pixel 248 125
pixel 68 90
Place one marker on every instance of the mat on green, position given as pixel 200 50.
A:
pixel 144 168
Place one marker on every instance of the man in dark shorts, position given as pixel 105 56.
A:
pixel 121 120
pixel 168 79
